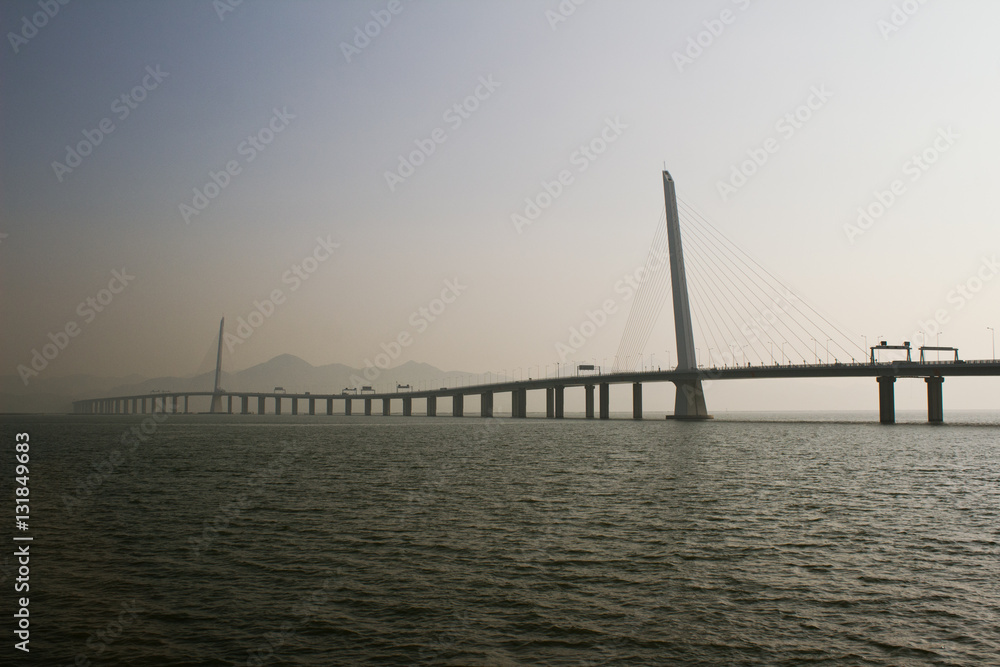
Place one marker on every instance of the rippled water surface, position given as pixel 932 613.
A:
pixel 401 541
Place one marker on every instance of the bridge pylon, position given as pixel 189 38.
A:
pixel 217 392
pixel 690 400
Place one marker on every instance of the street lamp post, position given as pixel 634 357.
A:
pixel 783 344
pixel 815 353
pixel 993 339
pixel 828 350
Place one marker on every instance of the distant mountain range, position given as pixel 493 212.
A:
pixel 56 394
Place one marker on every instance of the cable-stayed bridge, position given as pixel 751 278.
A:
pixel 750 325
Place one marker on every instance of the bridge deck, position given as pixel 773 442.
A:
pixel 898 369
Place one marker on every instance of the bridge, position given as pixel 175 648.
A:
pixel 720 299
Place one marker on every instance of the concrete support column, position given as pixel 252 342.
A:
pixel 385 407
pixel 689 401
pixel 432 406
pixel 229 408
pixel 244 405
pixel 329 406
pixel 637 400
pixel 277 405
pixel 135 406
pixel 886 399
pixel 605 401
pixel 407 406
pixel 368 407
pixel 935 403
pixel 143 406
pixel 458 405
pixel 174 401
pixel 550 402
pixel 347 407
pixel 589 396
pixel 521 401
pixel 486 404
pixel 186 403
pixel 560 401
pixel 295 405
pixel 261 408
pixel 312 406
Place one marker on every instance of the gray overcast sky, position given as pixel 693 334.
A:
pixel 310 114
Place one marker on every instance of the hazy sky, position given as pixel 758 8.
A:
pixel 120 120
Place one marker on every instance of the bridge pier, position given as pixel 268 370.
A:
pixel 605 401
pixel 407 406
pixel 637 400
pixel 935 403
pixel 886 399
pixel 458 405
pixel 550 402
pixel 277 405
pixel 244 405
pixel 588 392
pixel 312 406
pixel 261 407
pixel 329 406
pixel 385 407
pixel 295 405
pixel 486 404
pixel 135 406
pixel 347 407
pixel 689 403
pixel 229 409
pixel 560 401
pixel 143 405
pixel 432 406
pixel 174 401
pixel 519 403
pixel 368 407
